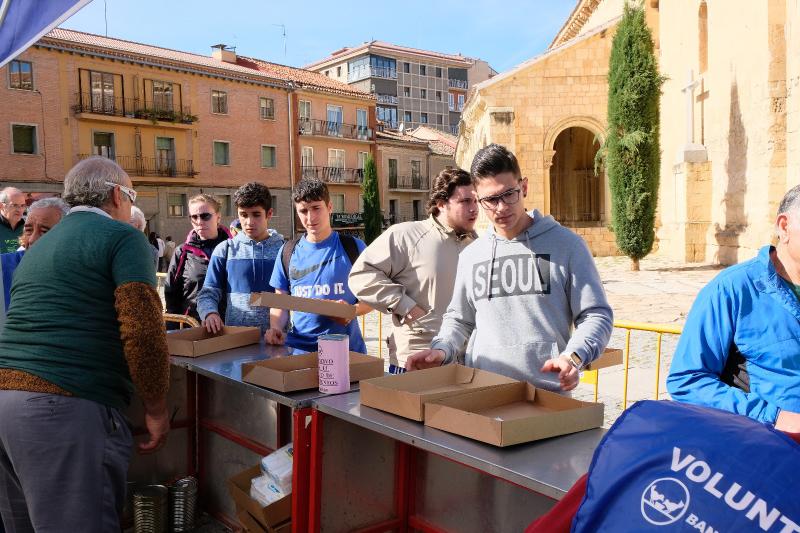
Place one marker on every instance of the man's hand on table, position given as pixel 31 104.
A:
pixel 425 359
pixel 568 375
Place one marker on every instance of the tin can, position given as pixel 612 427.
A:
pixel 334 363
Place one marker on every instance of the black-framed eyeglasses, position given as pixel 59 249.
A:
pixel 509 197
pixel 205 217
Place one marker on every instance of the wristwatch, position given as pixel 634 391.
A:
pixel 575 361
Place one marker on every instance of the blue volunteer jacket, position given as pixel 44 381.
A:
pixel 740 348
pixel 239 267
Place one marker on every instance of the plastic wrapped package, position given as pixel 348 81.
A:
pixel 264 491
pixel 278 467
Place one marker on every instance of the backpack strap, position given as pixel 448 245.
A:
pixel 350 247
pixel 286 256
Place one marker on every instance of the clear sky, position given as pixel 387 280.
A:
pixel 502 32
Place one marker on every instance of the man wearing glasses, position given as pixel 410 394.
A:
pixel 12 207
pixel 528 291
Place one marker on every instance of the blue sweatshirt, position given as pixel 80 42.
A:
pixel 238 267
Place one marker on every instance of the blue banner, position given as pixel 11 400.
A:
pixel 667 466
pixel 23 22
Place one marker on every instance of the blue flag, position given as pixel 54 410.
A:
pixel 666 466
pixel 23 22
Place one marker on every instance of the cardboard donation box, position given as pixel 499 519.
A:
pixel 251 525
pixel 610 357
pixel 270 517
pixel 299 372
pixel 406 394
pixel 305 305
pixel 194 342
pixel 512 414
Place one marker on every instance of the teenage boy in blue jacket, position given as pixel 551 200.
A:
pixel 318 266
pixel 242 265
pixel 740 347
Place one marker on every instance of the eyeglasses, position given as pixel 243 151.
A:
pixel 130 193
pixel 510 197
pixel 205 217
pixel 16 206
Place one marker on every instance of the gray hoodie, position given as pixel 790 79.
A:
pixel 522 297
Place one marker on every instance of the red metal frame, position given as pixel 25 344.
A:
pixel 301 473
pixel 315 482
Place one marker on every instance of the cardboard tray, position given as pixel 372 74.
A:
pixel 251 525
pixel 194 342
pixel 512 414
pixel 406 394
pixel 305 305
pixel 299 372
pixel 609 357
pixel 270 516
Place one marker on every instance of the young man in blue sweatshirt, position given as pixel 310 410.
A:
pixel 242 265
pixel 318 267
pixel 527 292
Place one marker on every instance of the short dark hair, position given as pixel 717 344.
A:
pixel 493 160
pixel 444 185
pixel 311 190
pixel 253 194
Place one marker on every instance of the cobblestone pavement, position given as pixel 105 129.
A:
pixel 661 292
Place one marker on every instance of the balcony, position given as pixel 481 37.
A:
pixel 132 108
pixel 454 129
pixel 347 176
pixel 387 99
pixel 457 84
pixel 335 129
pixel 366 71
pixel 151 166
pixel 410 183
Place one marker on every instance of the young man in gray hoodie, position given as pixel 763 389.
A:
pixel 528 290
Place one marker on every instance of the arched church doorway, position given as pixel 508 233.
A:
pixel 576 192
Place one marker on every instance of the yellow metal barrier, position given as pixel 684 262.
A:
pixel 660 330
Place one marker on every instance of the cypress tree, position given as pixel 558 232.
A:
pixel 631 150
pixel 373 218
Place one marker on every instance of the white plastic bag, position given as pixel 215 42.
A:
pixel 278 467
pixel 264 491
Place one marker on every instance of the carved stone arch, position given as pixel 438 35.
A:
pixel 554 187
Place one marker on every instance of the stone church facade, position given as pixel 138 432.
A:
pixel 729 122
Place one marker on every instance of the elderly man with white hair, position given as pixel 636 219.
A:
pixel 12 207
pixel 740 347
pixel 42 216
pixel 84 329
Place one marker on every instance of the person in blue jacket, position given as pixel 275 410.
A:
pixel 241 265
pixel 740 347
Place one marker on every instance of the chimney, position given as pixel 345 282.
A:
pixel 223 52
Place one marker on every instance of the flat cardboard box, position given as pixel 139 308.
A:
pixel 406 394
pixel 270 516
pixel 299 372
pixel 610 357
pixel 194 342
pixel 305 305
pixel 512 414
pixel 251 525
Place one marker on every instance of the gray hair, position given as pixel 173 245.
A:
pixel 85 183
pixel 137 219
pixel 54 202
pixel 8 191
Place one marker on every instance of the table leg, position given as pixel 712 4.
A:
pixel 301 471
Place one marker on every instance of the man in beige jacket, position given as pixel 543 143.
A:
pixel 410 270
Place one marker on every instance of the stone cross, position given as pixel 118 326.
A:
pixel 689 92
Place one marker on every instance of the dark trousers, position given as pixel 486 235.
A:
pixel 63 464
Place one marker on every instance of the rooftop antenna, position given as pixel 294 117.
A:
pixel 283 27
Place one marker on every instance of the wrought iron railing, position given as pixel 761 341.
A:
pixel 335 129
pixel 132 108
pixel 152 166
pixel 414 183
pixel 335 174
pixel 457 84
